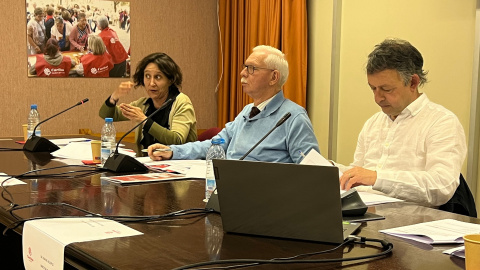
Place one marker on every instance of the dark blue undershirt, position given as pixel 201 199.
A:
pixel 160 118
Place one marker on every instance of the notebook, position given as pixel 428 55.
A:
pixel 281 200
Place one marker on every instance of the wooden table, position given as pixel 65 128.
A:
pixel 172 243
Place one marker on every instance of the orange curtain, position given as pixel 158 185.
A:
pixel 245 24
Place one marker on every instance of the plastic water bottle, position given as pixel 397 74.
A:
pixel 108 139
pixel 214 152
pixel 33 120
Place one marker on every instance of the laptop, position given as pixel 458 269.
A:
pixel 281 200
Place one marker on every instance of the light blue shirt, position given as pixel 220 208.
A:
pixel 282 145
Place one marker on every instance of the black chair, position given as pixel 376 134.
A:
pixel 462 202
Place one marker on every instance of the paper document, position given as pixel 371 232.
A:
pixel 374 199
pixel 445 231
pixel 83 151
pixel 143 178
pixel 315 158
pixel 63 142
pixel 69 161
pixel 457 252
pixel 44 240
pixel 190 168
pixel 11 181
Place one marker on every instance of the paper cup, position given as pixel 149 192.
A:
pixel 95 180
pixel 25 132
pixel 96 157
pixel 472 251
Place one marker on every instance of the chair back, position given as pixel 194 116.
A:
pixel 209 133
pixel 462 202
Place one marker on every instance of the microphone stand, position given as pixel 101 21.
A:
pixel 279 123
pixel 117 162
pixel 213 201
pixel 41 144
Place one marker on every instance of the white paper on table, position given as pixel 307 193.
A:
pixel 44 240
pixel 144 160
pixel 315 158
pixel 445 231
pixel 373 198
pixel 191 168
pixel 457 252
pixel 83 151
pixel 69 161
pixel 11 181
pixel 197 171
pixel 63 142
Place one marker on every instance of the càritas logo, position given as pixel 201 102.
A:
pixel 47 71
pixel 29 255
pixel 93 70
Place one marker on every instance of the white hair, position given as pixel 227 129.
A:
pixel 275 60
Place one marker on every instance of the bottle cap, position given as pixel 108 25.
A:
pixel 33 106
pixel 218 141
pixel 108 120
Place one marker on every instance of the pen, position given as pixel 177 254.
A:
pixel 158 150
pixel 301 153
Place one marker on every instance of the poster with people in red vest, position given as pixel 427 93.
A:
pixel 71 24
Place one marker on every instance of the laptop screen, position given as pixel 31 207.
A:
pixel 280 200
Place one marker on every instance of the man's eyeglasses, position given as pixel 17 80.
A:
pixel 251 68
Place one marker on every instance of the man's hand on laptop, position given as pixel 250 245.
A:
pixel 357 176
pixel 159 152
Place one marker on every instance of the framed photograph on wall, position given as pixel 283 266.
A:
pixel 78 38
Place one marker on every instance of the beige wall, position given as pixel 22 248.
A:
pixel 447 52
pixel 443 31
pixel 320 16
pixel 185 29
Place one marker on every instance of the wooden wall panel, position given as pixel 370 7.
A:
pixel 185 29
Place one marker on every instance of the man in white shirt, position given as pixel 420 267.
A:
pixel 414 149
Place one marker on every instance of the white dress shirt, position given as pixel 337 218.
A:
pixel 264 104
pixel 418 156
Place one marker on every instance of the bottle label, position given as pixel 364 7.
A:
pixel 210 186
pixel 105 153
pixel 38 133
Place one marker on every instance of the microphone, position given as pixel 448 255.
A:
pixel 117 162
pixel 40 144
pixel 279 123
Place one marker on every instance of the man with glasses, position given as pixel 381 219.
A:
pixel 414 149
pixel 264 73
